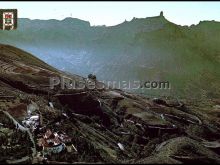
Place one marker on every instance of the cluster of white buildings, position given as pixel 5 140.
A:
pixel 55 142
pixel 32 122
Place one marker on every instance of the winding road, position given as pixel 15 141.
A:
pixel 7 68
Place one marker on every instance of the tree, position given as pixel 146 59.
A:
pixel 92 76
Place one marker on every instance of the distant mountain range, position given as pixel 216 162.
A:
pixel 143 49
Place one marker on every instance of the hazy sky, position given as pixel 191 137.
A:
pixel 112 13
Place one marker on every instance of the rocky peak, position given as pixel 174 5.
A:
pixel 161 14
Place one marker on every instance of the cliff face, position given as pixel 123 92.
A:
pixel 105 125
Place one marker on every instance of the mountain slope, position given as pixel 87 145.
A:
pixel 103 125
pixel 143 49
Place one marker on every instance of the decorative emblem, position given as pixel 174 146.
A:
pixel 8 19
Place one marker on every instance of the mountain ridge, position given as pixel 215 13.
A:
pixel 72 19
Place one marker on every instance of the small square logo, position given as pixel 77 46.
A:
pixel 8 19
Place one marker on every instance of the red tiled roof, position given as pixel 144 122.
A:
pixel 48 134
pixel 51 139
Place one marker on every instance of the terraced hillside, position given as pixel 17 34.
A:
pixel 104 125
